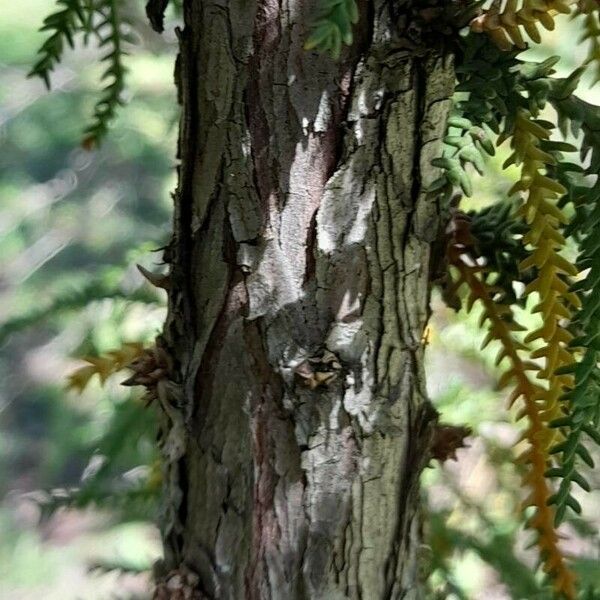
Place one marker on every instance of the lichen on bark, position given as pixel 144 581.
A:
pixel 300 277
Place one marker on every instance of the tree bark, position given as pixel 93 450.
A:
pixel 296 420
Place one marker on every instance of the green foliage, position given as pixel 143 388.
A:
pixel 63 25
pixel 589 575
pixel 491 86
pixel 485 79
pixel 498 236
pixel 518 85
pixel 588 11
pixel 582 416
pixel 108 30
pixel 104 485
pixel 465 144
pixel 74 298
pixel 497 550
pixel 108 209
pixel 333 28
pixel 101 19
pixel 510 23
pixel 130 500
pixel 509 94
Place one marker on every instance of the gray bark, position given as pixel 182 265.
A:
pixel 296 422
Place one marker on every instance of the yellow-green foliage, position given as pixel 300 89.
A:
pixel 538 264
pixel 506 22
pixel 555 375
pixel 502 328
pixel 543 378
pixel 545 219
pixel 589 10
pixel 104 366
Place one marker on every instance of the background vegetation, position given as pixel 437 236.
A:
pixel 73 223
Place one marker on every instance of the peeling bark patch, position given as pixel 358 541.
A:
pixel 264 524
pixel 205 385
pixel 266 33
pixel 277 495
pixel 265 528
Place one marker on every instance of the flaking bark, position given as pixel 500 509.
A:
pixel 296 423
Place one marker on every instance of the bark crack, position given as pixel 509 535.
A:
pixel 301 224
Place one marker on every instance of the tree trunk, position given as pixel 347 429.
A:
pixel 296 422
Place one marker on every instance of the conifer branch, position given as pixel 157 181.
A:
pixel 102 19
pixel 73 299
pixel 507 22
pixel 551 283
pixel 502 327
pixel 548 183
pixel 62 26
pixel 108 31
pixel 582 418
pixel 105 366
pixel 498 234
pixel 590 14
pixel 570 346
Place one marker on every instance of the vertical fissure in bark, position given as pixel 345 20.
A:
pixel 181 315
pixel 185 76
pixel 300 282
pixel 420 86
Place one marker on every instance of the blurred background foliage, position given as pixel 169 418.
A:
pixel 73 224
